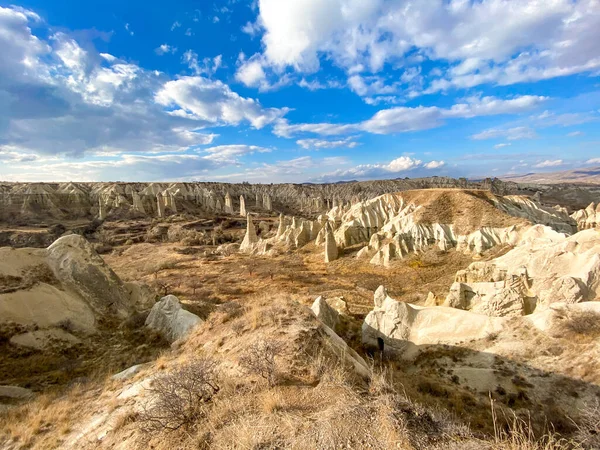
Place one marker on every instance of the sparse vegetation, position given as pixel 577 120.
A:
pixel 179 398
pixel 259 359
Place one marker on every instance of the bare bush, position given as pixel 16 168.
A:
pixel 583 322
pixel 180 397
pixel 588 426
pixel 259 359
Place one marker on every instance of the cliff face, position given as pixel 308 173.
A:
pixel 61 201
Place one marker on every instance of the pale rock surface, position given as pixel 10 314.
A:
pixel 243 211
pixel 250 239
pixel 587 218
pixel 15 392
pixel 325 313
pixel 170 319
pixel 79 268
pixel 399 325
pixel 41 339
pixel 331 250
pixel 544 268
pixel 129 372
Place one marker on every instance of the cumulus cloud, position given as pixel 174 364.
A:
pixel 396 167
pixel 490 41
pixel 434 164
pixel 549 163
pixel 214 102
pixel 59 100
pixel 593 161
pixel 326 144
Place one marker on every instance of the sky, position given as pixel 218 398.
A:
pixel 270 91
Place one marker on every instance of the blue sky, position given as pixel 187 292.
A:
pixel 297 90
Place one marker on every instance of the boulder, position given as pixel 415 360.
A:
pixel 80 269
pixel 325 313
pixel 15 392
pixel 169 319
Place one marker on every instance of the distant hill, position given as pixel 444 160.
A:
pixel 589 175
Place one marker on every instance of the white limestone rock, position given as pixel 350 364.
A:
pixel 325 313
pixel 79 268
pixel 170 319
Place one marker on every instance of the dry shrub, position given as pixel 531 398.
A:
pixel 588 426
pixel 259 359
pixel 583 323
pixel 180 397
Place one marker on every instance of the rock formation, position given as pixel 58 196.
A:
pixel 228 208
pixel 243 211
pixel 587 218
pixel 250 239
pixel 331 250
pixel 79 268
pixel 170 319
pixel 396 326
pixel 325 313
pixel 80 200
pixel 545 267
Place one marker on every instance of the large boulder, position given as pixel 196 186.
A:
pixel 169 319
pixel 80 269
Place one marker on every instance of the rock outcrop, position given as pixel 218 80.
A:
pixel 170 319
pixel 396 326
pixel 325 313
pixel 78 267
pixel 88 200
pixel 544 268
pixel 587 218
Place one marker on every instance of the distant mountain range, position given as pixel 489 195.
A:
pixel 589 175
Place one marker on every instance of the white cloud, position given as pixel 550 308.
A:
pixel 251 72
pixel 57 98
pixel 512 134
pixel 395 167
pixel 315 85
pixel 488 41
pixel 575 134
pixel 434 164
pixel 325 144
pixel 502 145
pixel 252 28
pixel 230 154
pixel 175 25
pixel 207 66
pixel 165 48
pixel 549 163
pixel 593 161
pixel 405 119
pixel 128 29
pixel 214 102
pixel 550 119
